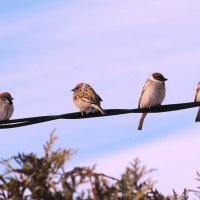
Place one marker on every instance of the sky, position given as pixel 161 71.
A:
pixel 47 47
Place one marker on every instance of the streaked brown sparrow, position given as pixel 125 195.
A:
pixel 86 99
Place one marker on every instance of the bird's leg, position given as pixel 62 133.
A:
pixel 82 113
pixel 159 106
pixel 5 121
pixel 149 107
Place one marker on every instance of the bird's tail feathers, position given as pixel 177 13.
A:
pixel 141 121
pixel 198 116
pixel 98 107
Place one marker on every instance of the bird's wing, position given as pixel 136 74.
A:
pixel 143 90
pixel 90 96
pixel 93 95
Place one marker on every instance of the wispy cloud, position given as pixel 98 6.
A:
pixel 114 46
pixel 175 157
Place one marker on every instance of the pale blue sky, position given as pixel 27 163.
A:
pixel 47 47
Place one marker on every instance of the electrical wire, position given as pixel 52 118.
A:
pixel 14 123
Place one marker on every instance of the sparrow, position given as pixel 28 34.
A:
pixel 86 99
pixel 6 106
pixel 197 98
pixel 153 93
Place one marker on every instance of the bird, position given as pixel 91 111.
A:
pixel 86 99
pixel 6 106
pixel 197 98
pixel 153 93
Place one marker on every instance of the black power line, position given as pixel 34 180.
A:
pixel 109 112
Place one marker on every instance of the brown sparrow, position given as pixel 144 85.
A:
pixel 153 93
pixel 86 99
pixel 197 98
pixel 6 106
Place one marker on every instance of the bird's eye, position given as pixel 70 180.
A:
pixel 159 78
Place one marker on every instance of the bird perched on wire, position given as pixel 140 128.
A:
pixel 86 99
pixel 197 98
pixel 153 93
pixel 6 106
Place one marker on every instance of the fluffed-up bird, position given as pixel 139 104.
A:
pixel 6 106
pixel 86 99
pixel 153 93
pixel 197 98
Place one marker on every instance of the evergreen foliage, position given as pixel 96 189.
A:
pixel 28 177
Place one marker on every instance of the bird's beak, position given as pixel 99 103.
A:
pixel 165 79
pixel 73 90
